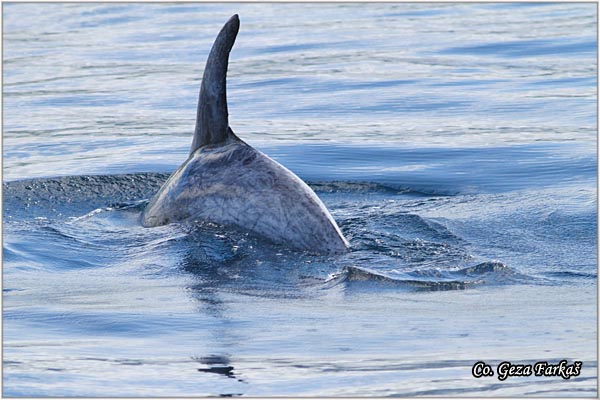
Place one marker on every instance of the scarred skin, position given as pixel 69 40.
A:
pixel 234 184
pixel 226 181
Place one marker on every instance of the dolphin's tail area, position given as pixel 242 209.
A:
pixel 212 123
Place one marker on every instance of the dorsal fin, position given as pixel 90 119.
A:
pixel 212 124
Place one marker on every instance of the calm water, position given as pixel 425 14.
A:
pixel 455 144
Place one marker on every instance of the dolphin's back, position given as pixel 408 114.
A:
pixel 236 184
pixel 228 182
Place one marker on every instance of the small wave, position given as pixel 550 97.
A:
pixel 91 214
pixel 130 205
pixel 490 273
pixel 350 276
pixel 360 187
pixel 400 247
pixel 571 274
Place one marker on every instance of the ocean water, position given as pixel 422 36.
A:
pixel 454 144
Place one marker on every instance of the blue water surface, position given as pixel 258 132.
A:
pixel 454 144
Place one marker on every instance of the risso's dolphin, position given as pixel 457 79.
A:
pixel 226 181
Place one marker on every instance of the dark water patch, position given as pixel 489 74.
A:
pixel 10 362
pixel 264 83
pixel 519 5
pixel 301 47
pixel 403 105
pixel 291 85
pixel 218 364
pixel 8 290
pixel 581 81
pixel 444 170
pixel 353 85
pixel 227 371
pixel 526 48
pixel 432 12
pixel 75 195
pixel 81 101
pixel 468 83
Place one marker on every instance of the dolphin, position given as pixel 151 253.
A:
pixel 226 181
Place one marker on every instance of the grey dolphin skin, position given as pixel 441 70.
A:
pixel 226 181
